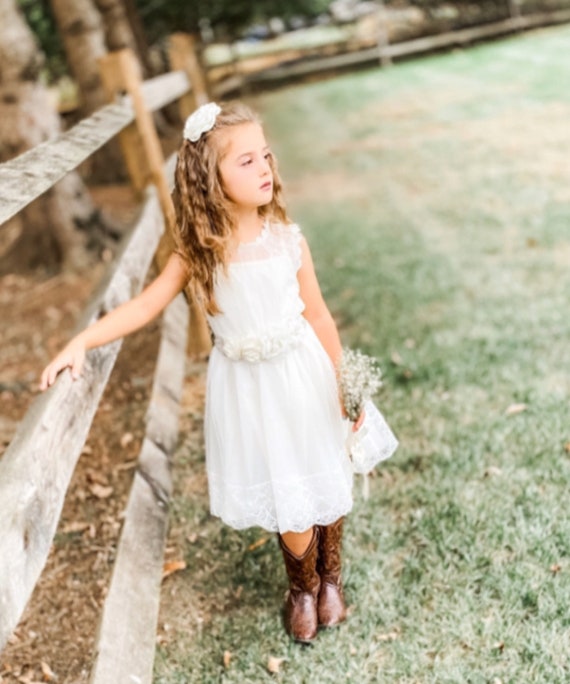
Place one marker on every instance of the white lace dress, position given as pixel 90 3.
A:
pixel 275 451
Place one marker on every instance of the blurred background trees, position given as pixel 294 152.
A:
pixel 52 230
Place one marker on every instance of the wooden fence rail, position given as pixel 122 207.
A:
pixel 37 467
pixel 32 173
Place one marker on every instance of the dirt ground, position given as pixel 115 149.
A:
pixel 54 640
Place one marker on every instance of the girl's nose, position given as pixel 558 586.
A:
pixel 264 167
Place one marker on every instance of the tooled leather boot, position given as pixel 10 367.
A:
pixel 301 603
pixel 331 608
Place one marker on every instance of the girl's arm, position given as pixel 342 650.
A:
pixel 317 313
pixel 123 320
pixel 316 310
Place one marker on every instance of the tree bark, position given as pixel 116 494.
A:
pixel 118 30
pixel 82 31
pixel 45 233
pixel 139 34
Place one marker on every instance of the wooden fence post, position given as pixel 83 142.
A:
pixel 183 57
pixel 515 12
pixel 383 39
pixel 120 72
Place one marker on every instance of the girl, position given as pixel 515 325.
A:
pixel 273 423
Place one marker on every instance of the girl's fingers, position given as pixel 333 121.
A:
pixel 358 423
pixel 76 367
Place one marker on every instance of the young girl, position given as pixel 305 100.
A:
pixel 273 424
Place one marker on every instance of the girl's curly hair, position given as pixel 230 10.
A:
pixel 204 223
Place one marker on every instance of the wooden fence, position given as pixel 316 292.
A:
pixel 384 52
pixel 36 469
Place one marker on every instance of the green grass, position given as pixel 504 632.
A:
pixel 435 199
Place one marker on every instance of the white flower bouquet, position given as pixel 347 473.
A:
pixel 359 379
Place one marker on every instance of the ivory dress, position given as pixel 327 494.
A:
pixel 275 452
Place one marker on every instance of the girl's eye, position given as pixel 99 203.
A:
pixel 246 162
pixel 268 156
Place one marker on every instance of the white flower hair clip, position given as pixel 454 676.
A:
pixel 200 121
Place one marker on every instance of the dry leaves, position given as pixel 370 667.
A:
pixel 171 567
pixel 396 359
pixel 126 439
pixel 492 471
pixel 75 526
pixel 47 673
pixel 555 568
pixel 227 659
pixel 258 543
pixel 274 664
pixel 513 409
pixel 100 491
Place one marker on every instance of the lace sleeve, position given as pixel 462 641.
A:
pixel 294 236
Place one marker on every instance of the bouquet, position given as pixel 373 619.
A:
pixel 359 379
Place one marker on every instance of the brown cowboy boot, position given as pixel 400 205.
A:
pixel 301 603
pixel 330 606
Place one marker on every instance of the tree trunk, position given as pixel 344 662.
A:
pixel 45 233
pixel 81 29
pixel 139 34
pixel 118 30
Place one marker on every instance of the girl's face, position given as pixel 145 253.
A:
pixel 247 178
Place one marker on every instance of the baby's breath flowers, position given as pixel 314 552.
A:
pixel 359 378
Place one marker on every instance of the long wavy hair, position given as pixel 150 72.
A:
pixel 204 214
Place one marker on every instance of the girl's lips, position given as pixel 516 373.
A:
pixel 266 186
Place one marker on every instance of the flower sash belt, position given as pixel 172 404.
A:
pixel 261 347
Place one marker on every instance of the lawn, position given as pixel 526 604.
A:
pixel 436 198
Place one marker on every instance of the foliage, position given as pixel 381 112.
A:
pixel 39 16
pixel 162 17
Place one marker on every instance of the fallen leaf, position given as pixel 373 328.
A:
pixel 499 646
pixel 227 659
pixel 95 476
pixel 258 543
pixel 396 359
pixel 567 447
pixel 389 636
pixel 274 664
pixel 100 492
pixel 76 527
pixel 47 672
pixel 126 439
pixel 172 567
pixel 492 471
pixel 555 568
pixel 513 409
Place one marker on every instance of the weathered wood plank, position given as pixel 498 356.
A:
pixel 29 175
pixel 36 469
pixel 387 52
pixel 127 637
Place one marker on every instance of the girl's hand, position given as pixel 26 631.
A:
pixel 72 356
pixel 358 422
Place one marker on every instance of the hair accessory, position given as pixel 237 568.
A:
pixel 200 121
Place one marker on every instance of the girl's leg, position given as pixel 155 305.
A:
pixel 300 558
pixel 331 607
pixel 298 542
